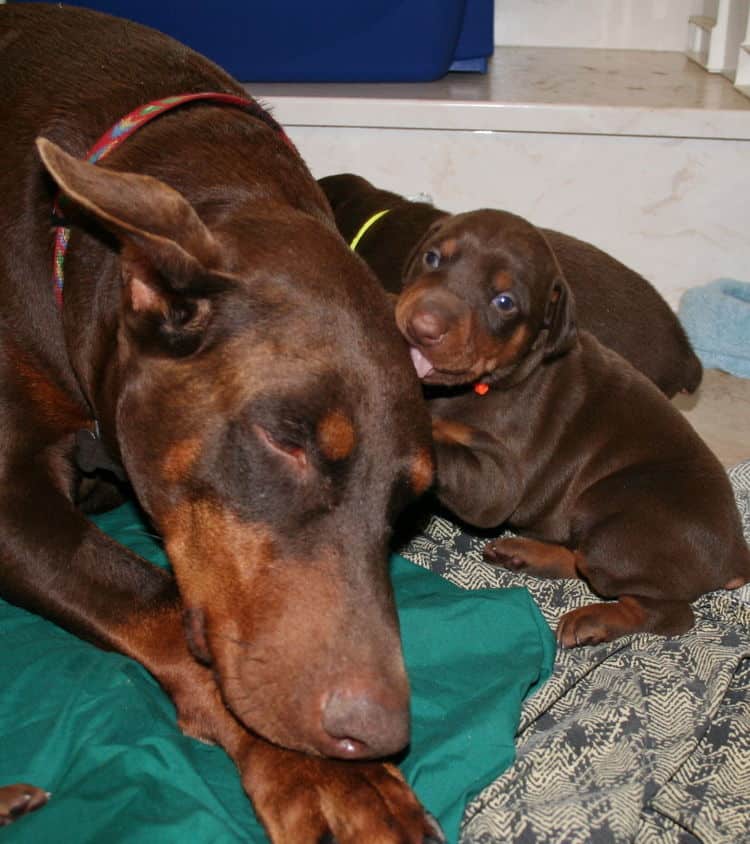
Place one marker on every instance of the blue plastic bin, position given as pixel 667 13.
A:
pixel 324 41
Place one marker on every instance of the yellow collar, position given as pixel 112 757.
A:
pixel 364 227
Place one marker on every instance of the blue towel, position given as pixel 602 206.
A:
pixel 716 318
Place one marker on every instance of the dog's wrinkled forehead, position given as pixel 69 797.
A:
pixel 501 241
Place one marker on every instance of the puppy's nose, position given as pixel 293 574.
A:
pixel 361 726
pixel 427 327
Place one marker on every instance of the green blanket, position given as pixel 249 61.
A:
pixel 95 729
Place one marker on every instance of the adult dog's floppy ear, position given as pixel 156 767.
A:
pixel 560 319
pixel 166 252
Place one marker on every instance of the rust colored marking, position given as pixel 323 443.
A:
pixel 449 247
pixel 180 458
pixel 502 281
pixel 422 471
pixel 500 353
pixel 336 436
pixel 57 408
pixel 451 433
pixel 735 583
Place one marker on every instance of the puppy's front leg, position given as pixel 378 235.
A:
pixel 478 479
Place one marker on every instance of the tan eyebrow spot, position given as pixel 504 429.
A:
pixel 448 248
pixel 180 458
pixel 335 434
pixel 502 281
pixel 422 471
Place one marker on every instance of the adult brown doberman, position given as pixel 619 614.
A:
pixel 217 343
pixel 540 427
pixel 616 304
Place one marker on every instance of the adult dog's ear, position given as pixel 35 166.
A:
pixel 560 319
pixel 166 254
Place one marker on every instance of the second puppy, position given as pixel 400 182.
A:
pixel 613 302
pixel 543 428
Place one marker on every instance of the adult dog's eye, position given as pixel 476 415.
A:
pixel 432 259
pixel 504 302
pixel 291 451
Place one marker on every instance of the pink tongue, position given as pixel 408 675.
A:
pixel 421 364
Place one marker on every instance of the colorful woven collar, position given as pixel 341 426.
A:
pixel 123 129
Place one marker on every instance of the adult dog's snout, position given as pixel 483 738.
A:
pixel 363 720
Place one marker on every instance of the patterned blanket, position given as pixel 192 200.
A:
pixel 643 740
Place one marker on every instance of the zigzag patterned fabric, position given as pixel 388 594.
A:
pixel 643 740
pixel 122 130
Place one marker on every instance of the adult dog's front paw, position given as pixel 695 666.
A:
pixel 306 800
pixel 18 800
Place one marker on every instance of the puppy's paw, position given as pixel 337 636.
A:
pixel 18 800
pixel 583 626
pixel 596 623
pixel 505 553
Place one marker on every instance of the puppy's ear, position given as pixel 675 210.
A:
pixel 560 319
pixel 166 251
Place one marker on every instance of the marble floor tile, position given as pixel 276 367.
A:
pixel 720 412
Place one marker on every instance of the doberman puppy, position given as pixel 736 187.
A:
pixel 218 342
pixel 618 306
pixel 544 429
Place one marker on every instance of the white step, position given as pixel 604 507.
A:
pixel 742 76
pixel 714 39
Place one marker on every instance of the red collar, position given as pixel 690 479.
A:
pixel 123 129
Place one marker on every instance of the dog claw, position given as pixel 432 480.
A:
pixel 436 835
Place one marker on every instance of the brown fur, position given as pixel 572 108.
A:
pixel 618 306
pixel 19 800
pixel 580 453
pixel 245 371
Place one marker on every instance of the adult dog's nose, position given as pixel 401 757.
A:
pixel 361 725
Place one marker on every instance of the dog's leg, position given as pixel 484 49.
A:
pixel 477 478
pixel 18 800
pixel 597 623
pixel 309 800
pixel 542 559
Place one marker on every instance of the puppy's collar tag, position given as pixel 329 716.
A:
pixel 368 223
pixel 481 389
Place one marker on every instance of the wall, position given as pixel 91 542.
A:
pixel 618 24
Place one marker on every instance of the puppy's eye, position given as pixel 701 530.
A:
pixel 504 302
pixel 432 259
